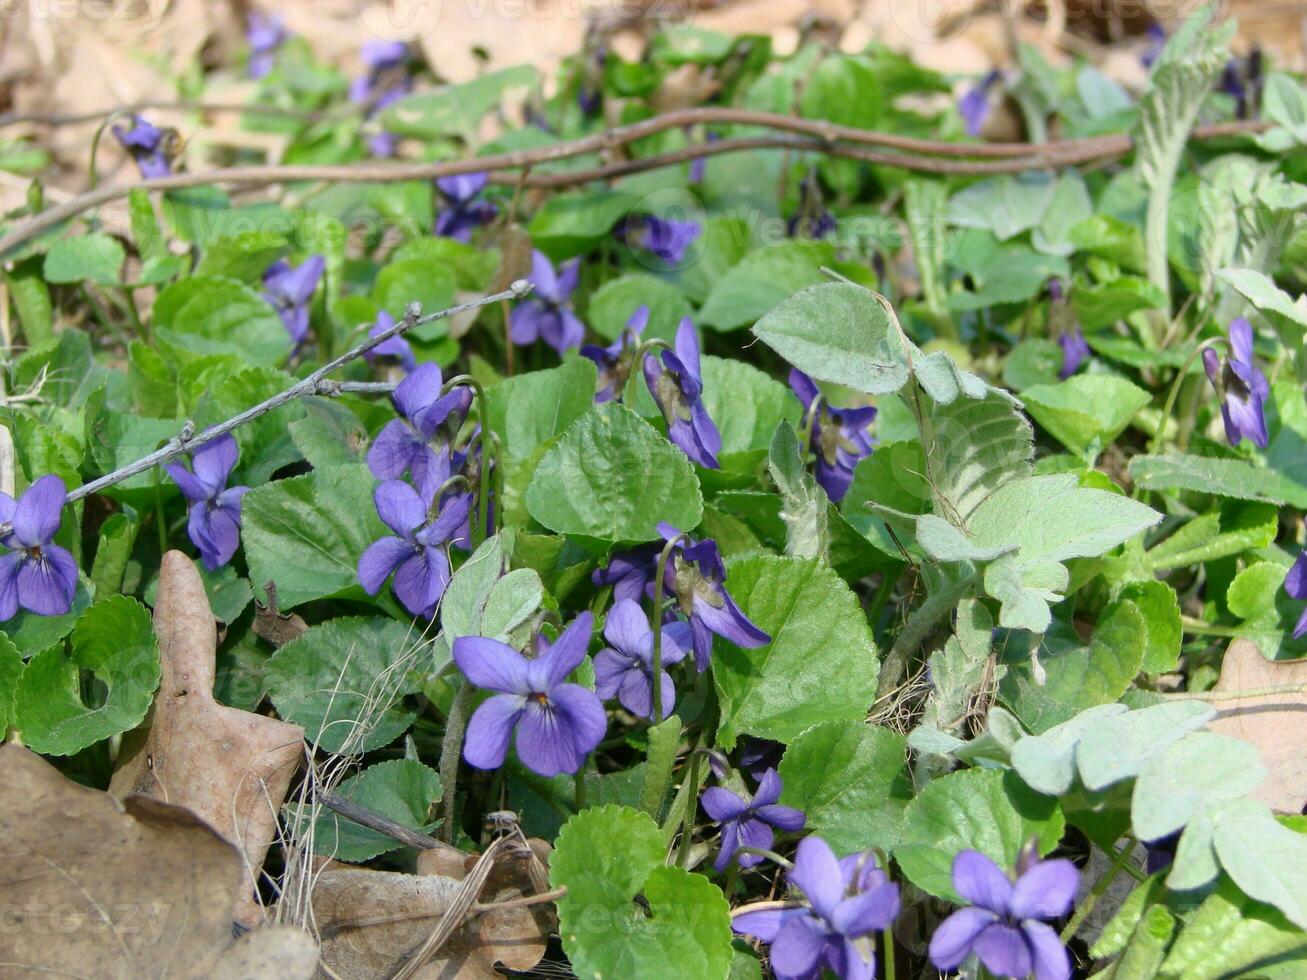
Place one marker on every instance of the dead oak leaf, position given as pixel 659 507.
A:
pixel 97 888
pixel 1276 724
pixel 230 767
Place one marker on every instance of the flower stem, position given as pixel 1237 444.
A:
pixel 1095 893
pixel 451 748
pixel 656 672
pixel 637 366
pixel 1175 389
pixel 481 528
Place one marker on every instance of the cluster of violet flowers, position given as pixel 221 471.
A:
pixel 385 81
pixel 839 904
pixel 426 512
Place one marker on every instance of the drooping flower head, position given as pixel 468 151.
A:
pixel 846 902
pixel 699 165
pixel 666 238
pixel 590 94
pixel 395 348
pixel 214 516
pixel 694 577
pixel 614 361
pixel 1242 387
pixel 418 440
pixel 548 314
pixel 1295 585
pixel 624 669
pixel 290 289
pixel 418 554
pixel 839 436
pixel 265 34
pixel 812 219
pixel 1004 924
pixel 631 573
pixel 974 106
pixel 1074 351
pixel 677 386
pixel 464 209
pixel 385 82
pixel 150 146
pixel 1242 81
pixel 558 724
pixel 750 823
pixel 36 574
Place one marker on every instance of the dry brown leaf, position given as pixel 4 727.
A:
pixel 94 888
pixel 272 953
pixel 271 624
pixel 369 921
pixel 230 767
pixel 1276 724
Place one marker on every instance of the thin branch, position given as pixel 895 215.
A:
pixel 821 137
pixel 316 383
pixel 253 108
pixel 375 821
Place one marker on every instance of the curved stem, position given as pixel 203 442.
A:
pixel 451 748
pixel 691 807
pixel 656 673
pixel 637 366
pixel 761 852
pixel 481 528
pixel 1095 893
pixel 1171 395
pixel 95 143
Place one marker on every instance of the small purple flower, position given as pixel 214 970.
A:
pixel 426 418
pixel 694 577
pixel 1295 585
pixel 148 145
pixel 265 34
pixel 1003 925
pixel 1241 386
pixel 749 823
pixel 699 165
pixel 214 518
pixel 624 670
pixel 839 436
pixel 677 387
pixel 665 238
pixel 630 574
pixel 1156 34
pixel 464 208
pixel 548 314
pixel 812 219
pixel 1074 351
pixel 590 94
pixel 36 574
pixel 614 361
pixel 849 900
pixel 418 557
pixel 1242 81
pixel 396 347
pixel 974 106
pixel 558 724
pixel 386 81
pixel 290 289
pixel 757 755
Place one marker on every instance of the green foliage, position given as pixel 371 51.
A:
pixel 401 790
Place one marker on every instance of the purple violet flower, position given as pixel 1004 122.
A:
pixel 426 418
pixel 677 387
pixel 694 577
pixel 631 574
pixel 1241 386
pixel 699 165
pixel 148 145
pixel 36 574
pixel 839 436
pixel 1074 351
pixel 1295 585
pixel 665 238
pixel 1156 35
pixel 1242 81
pixel 558 724
pixel 464 209
pixel 848 901
pixel 812 219
pixel 385 82
pixel 974 106
pixel 749 823
pixel 418 557
pixel 214 518
pixel 265 34
pixel 1003 925
pixel 624 670
pixel 548 314
pixel 614 361
pixel 290 289
pixel 757 755
pixel 396 347
pixel 590 93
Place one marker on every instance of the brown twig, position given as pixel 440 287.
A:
pixel 817 136
pixel 95 115
pixel 374 821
